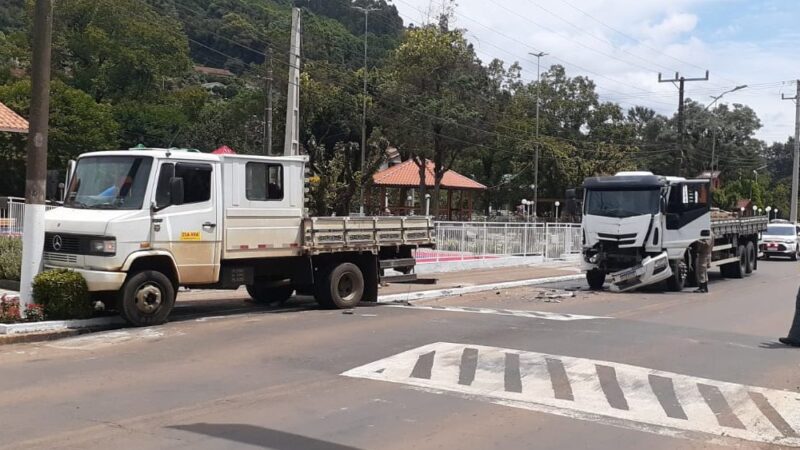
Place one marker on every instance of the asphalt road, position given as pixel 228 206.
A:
pixel 511 369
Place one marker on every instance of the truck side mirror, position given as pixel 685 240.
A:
pixel 176 191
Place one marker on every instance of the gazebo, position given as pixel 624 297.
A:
pixel 397 192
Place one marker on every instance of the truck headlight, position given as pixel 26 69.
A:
pixel 660 263
pixel 105 247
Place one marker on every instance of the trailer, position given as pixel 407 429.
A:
pixel 140 223
pixel 640 229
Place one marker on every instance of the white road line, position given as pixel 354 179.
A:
pixel 600 391
pixel 543 315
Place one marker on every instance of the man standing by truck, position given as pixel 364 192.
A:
pixel 703 263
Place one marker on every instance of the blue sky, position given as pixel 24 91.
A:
pixel 623 44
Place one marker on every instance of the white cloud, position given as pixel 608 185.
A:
pixel 667 37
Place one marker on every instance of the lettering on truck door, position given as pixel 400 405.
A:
pixel 189 231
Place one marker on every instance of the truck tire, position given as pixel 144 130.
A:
pixel 736 269
pixel 596 278
pixel 264 294
pixel 146 298
pixel 752 258
pixel 341 287
pixel 677 281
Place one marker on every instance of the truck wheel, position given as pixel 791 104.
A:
pixel 738 269
pixel 342 287
pixel 263 293
pixel 596 278
pixel 750 250
pixel 147 298
pixel 676 282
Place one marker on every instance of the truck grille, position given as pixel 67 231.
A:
pixel 60 258
pixel 62 243
pixel 616 237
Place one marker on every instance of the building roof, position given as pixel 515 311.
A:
pixel 709 174
pixel 406 174
pixel 11 121
pixel 213 71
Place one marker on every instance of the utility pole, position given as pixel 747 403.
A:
pixel 268 108
pixel 681 119
pixel 796 159
pixel 536 155
pixel 366 12
pixel 291 142
pixel 36 161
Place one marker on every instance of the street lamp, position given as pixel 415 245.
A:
pixel 768 209
pixel 776 213
pixel 755 209
pixel 525 209
pixel 536 157
pixel 557 205
pixel 714 129
pixel 742 211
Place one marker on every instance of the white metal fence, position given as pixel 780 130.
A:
pixel 483 241
pixel 12 215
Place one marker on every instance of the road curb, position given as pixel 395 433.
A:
pixel 51 326
pixel 439 293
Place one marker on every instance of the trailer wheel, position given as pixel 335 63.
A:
pixel 146 298
pixel 677 281
pixel 750 249
pixel 263 293
pixel 342 287
pixel 596 278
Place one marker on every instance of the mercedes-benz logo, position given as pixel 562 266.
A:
pixel 57 244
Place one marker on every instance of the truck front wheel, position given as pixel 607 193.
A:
pixel 596 278
pixel 342 287
pixel 147 298
pixel 676 282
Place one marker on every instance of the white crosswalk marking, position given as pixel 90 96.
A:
pixel 616 394
pixel 542 315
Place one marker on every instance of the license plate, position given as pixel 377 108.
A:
pixel 625 276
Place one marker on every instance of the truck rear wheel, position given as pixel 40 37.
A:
pixel 341 287
pixel 596 278
pixel 736 269
pixel 146 298
pixel 264 293
pixel 750 250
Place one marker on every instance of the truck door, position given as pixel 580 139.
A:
pixel 688 213
pixel 189 228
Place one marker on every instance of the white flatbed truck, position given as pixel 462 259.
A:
pixel 640 229
pixel 139 223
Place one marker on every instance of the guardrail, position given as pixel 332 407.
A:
pixel 476 241
pixel 12 215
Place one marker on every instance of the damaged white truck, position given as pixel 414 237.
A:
pixel 641 229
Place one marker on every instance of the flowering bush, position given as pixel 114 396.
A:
pixel 10 311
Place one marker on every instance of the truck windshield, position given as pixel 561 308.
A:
pixel 626 203
pixel 109 182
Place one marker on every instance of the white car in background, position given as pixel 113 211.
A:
pixel 780 239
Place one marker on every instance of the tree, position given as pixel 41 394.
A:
pixel 428 90
pixel 104 49
pixel 78 124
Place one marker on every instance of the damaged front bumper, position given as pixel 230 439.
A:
pixel 652 269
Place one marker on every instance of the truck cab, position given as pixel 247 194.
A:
pixel 638 226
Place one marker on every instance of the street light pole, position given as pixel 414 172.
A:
pixel 366 12
pixel 536 156
pixel 714 130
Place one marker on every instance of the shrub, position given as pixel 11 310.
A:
pixel 9 309
pixel 10 258
pixel 63 293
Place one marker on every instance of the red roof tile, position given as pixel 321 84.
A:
pixel 406 174
pixel 11 121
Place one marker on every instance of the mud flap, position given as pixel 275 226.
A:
pixel 653 269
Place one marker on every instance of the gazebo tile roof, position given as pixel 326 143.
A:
pixel 11 121
pixel 406 174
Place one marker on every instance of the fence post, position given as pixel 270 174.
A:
pixel 525 240
pixel 485 232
